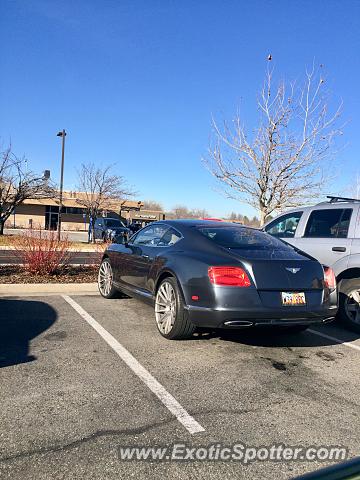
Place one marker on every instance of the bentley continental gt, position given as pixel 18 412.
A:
pixel 204 273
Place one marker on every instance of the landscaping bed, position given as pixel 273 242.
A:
pixel 67 274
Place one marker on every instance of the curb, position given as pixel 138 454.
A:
pixel 40 289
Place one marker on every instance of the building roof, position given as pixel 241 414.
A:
pixel 73 199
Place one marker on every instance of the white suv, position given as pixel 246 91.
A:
pixel 329 232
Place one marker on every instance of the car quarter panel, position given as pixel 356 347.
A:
pixel 191 271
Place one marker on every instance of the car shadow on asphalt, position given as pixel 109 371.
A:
pixel 268 337
pixel 20 322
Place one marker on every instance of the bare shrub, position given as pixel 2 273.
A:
pixel 41 252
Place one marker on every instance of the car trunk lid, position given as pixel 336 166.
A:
pixel 280 270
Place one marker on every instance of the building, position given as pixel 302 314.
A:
pixel 44 213
pixel 141 216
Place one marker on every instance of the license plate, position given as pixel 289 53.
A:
pixel 291 299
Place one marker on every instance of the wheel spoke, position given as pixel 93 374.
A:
pixel 162 295
pixel 159 309
pixel 162 304
pixel 168 325
pixel 164 322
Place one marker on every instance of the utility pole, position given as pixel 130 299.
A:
pixel 63 135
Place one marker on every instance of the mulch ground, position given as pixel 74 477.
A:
pixel 68 274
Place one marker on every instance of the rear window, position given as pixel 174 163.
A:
pixel 329 223
pixel 114 223
pixel 240 237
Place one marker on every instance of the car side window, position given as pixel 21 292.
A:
pixel 170 237
pixel 329 223
pixel 150 235
pixel 144 236
pixel 284 226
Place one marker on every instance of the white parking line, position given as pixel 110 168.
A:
pixel 334 339
pixel 163 395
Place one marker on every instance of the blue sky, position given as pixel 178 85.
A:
pixel 135 82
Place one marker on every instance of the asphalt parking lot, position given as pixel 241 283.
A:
pixel 82 376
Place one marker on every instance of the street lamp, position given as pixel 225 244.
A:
pixel 63 135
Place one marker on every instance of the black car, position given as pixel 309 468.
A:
pixel 108 228
pixel 200 273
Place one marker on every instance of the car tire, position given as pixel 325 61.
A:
pixel 105 280
pixel 172 319
pixel 349 307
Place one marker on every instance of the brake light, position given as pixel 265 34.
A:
pixel 329 277
pixel 229 276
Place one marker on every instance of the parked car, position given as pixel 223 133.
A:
pixel 135 227
pixel 330 232
pixel 218 275
pixel 107 228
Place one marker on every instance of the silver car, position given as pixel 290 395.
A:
pixel 330 232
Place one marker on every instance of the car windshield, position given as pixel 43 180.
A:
pixel 113 222
pixel 240 237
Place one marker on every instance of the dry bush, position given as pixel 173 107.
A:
pixel 41 252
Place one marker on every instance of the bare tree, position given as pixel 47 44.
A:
pixel 17 184
pixel 355 188
pixel 199 213
pixel 238 217
pixel 99 190
pixel 285 162
pixel 152 205
pixel 181 211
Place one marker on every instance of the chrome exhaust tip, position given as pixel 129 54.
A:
pixel 238 323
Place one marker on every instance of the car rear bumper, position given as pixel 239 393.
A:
pixel 225 318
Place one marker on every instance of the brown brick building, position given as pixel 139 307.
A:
pixel 44 213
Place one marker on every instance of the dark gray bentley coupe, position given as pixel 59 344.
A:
pixel 203 273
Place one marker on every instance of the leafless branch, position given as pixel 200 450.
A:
pixel 286 160
pixel 100 189
pixel 17 184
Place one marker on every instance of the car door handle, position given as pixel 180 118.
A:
pixel 338 249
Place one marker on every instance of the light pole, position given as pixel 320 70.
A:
pixel 63 135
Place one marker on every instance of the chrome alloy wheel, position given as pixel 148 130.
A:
pixel 352 306
pixel 105 278
pixel 165 308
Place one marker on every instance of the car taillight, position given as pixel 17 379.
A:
pixel 229 276
pixel 329 277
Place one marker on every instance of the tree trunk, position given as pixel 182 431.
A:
pixel 262 217
pixel 2 227
pixel 93 232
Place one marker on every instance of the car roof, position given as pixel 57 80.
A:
pixel 318 206
pixel 188 223
pixel 327 205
